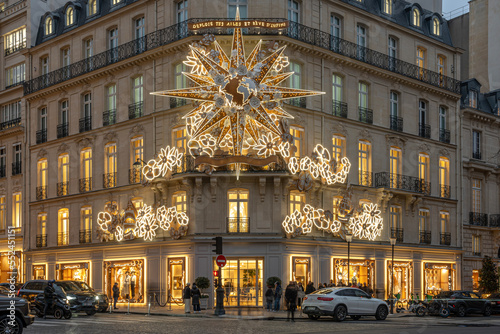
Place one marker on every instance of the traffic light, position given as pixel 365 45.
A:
pixel 218 245
pixel 216 273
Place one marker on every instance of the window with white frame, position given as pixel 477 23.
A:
pixel 442 118
pixel 395 217
pixel 110 165
pixel 476 144
pixel 476 245
pixel 42 171
pixel 444 218
pixel 182 11
pixel 91 7
pixel 338 149
pixel 423 220
pixel 423 167
pixel 14 75
pixel 298 137
pixel 64 112
pixel 422 112
pixel 297 201
pixel 11 111
pixel 137 148
pixel 86 218
pixel 65 57
pixel 421 61
pixel 137 89
pixel 69 16
pixel 444 176
pixel 473 98
pixel 396 165
pixel 337 87
pixel 3 213
pixel 41 229
pixel 88 49
pixel 43 119
pixel 63 174
pixel 293 11
pixel 63 227
pixel 415 17
pixel 17 154
pixel 180 79
pixel 336 26
pixel 111 97
pixel 436 26
pixel 113 38
pixel 365 163
pixel 3 161
pixel 87 105
pixel 49 26
pixel 394 105
pixel 15 40
pixel 387 8
pixel 476 195
pixel 17 209
pixel 86 165
pixel 139 28
pixel 361 41
pixel 238 211
pixel 180 137
pixel 362 95
pixel 179 201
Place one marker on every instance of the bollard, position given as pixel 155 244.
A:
pixel 110 308
pixel 149 309
pixel 128 307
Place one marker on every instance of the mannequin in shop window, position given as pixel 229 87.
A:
pixel 119 279
pixel 126 285
pixel 133 282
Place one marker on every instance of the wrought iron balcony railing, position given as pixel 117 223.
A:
pixel 15 48
pixel 402 182
pixel 41 240
pixel 444 136
pixel 339 109
pixel 238 224
pixel 397 233
pixel 62 188
pixel 41 136
pixel 85 236
pixel 187 166
pixel 177 102
pixel 425 187
pixel 365 179
pixel 424 130
pixel 476 253
pixel 109 180
pixel 476 155
pixel 85 184
pixel 444 191
pixel 41 193
pixel 10 123
pixel 62 130
pixel 296 102
pixel 135 110
pixel 17 168
pixel 85 123
pixel 494 220
pixel 135 175
pixel 445 238
pixel 295 30
pixel 109 117
pixel 478 219
pixel 425 237
pixel 365 115
pixel 62 239
pixel 396 123
pixel 3 171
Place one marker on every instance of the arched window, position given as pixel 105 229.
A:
pixel 415 17
pixel 49 26
pixel 70 16
pixel 92 7
pixel 436 26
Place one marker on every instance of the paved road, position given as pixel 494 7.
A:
pixel 137 324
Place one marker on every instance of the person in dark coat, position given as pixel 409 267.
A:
pixel 186 295
pixel 116 294
pixel 291 300
pixel 269 298
pixel 48 294
pixel 300 294
pixel 196 295
pixel 277 296
pixel 310 288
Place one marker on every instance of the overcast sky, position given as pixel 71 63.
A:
pixel 449 5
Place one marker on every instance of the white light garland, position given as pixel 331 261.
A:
pixel 167 160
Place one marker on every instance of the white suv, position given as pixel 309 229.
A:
pixel 343 302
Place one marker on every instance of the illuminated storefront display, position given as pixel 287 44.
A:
pixel 301 270
pixel 403 278
pixel 6 272
pixel 242 281
pixel 129 275
pixel 439 277
pixel 361 271
pixel 475 280
pixel 176 277
pixel 39 271
pixel 73 271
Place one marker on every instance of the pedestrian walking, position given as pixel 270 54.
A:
pixel 196 295
pixel 116 294
pixel 300 294
pixel 186 295
pixel 269 298
pixel 277 296
pixel 290 299
pixel 48 294
pixel 310 288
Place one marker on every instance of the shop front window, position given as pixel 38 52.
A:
pixel 301 270
pixel 475 280
pixel 6 270
pixel 73 272
pixel 402 278
pixel 39 271
pixel 439 277
pixel 129 275
pixel 176 278
pixel 242 281
pixel 361 272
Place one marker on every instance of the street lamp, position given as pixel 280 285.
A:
pixel 138 164
pixel 393 243
pixel 348 238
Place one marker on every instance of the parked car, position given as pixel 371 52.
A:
pixel 17 285
pixel 103 302
pixel 80 301
pixel 22 315
pixel 4 290
pixel 343 302
pixel 462 303
pixel 494 298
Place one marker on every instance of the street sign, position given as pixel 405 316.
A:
pixel 221 261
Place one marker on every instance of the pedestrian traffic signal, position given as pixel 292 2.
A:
pixel 216 273
pixel 218 245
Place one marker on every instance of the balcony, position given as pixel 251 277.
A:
pixel 62 188
pixel 296 102
pixel 444 191
pixel 41 193
pixel 478 219
pixel 444 136
pixel 62 130
pixel 397 233
pixel 85 123
pixel 339 109
pixel 109 180
pixel 397 123
pixel 41 136
pixel 365 179
pixel 85 236
pixel 109 117
pixel 425 237
pixel 177 102
pixel 3 171
pixel 135 110
pixel 15 48
pixel 135 175
pixel 16 168
pixel 62 239
pixel 476 253
pixel 41 240
pixel 424 130
pixel 445 239
pixel 476 155
pixel 85 184
pixel 402 182
pixel 10 123
pixel 365 115
pixel 238 224
pixel 494 220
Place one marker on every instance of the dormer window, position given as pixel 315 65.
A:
pixel 115 2
pixel 49 26
pixel 92 7
pixel 70 16
pixel 387 7
pixel 415 17
pixel 473 99
pixel 436 26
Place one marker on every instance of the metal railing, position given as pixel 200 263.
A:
pixel 295 30
pixel 41 193
pixel 476 253
pixel 495 220
pixel 396 123
pixel 424 130
pixel 445 238
pixel 41 240
pixel 85 184
pixel 476 155
pixel 17 168
pixel 238 224
pixel 135 110
pixel 296 102
pixel 3 171
pixel 10 123
pixel 62 188
pixel 402 182
pixel 109 117
pixel 177 102
pixel 135 175
pixel 62 130
pixel 187 166
pixel 62 239
pixel 339 109
pixel 425 237
pixel 85 123
pixel 444 136
pixel 85 236
pixel 365 179
pixel 444 191
pixel 365 115
pixel 15 48
pixel 397 233
pixel 109 180
pixel 41 136
pixel 478 219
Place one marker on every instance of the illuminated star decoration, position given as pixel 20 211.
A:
pixel 239 98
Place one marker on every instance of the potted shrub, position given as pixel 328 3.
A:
pixel 203 283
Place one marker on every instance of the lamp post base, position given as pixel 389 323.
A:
pixel 219 306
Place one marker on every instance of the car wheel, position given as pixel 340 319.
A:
pixel 6 328
pixel 444 312
pixel 90 312
pixel 68 315
pixel 382 312
pixel 58 313
pixel 420 312
pixel 461 311
pixel 355 317
pixel 313 317
pixel 340 313
pixel 487 311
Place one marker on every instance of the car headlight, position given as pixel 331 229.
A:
pixel 71 297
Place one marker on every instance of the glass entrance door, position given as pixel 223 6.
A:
pixel 242 282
